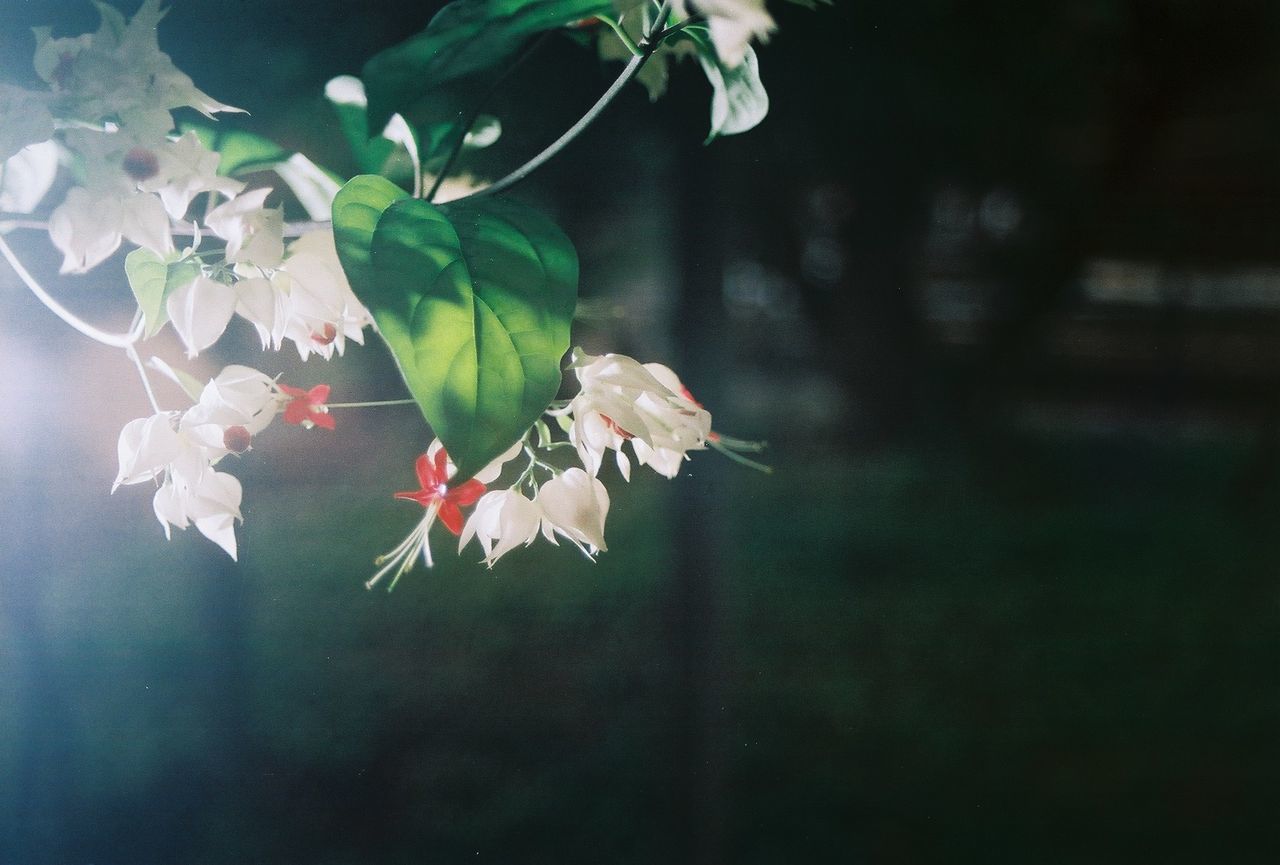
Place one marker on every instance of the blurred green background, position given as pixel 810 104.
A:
pixel 1000 284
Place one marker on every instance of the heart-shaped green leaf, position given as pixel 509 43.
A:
pixel 474 299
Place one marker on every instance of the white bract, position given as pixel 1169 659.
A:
pixel 574 505
pixel 318 310
pixel 184 169
pixel 732 24
pixel 502 521
pixel 200 312
pixel 254 234
pixel 87 227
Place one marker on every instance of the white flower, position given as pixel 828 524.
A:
pixel 732 23
pixel 623 400
pixel 118 69
pixel 146 446
pixel 502 521
pixel 200 312
pixel 575 504
pixel 253 233
pixel 183 447
pixel 211 502
pixel 321 311
pixel 184 169
pixel 88 226
pixel 440 499
pixel 238 396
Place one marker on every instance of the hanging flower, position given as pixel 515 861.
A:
pixel 624 401
pixel 239 397
pixel 200 312
pixel 192 492
pixel 117 70
pixel 433 476
pixel 321 311
pixel 434 470
pixel 574 505
pixel 502 521
pixel 211 502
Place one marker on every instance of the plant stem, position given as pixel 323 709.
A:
pixel 132 351
pixel 622 34
pixel 115 340
pixel 371 404
pixel 647 46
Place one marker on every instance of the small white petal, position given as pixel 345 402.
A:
pixel 200 312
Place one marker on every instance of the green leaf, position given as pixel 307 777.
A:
pixel 466 37
pixel 738 100
pixel 356 210
pixel 475 300
pixel 153 279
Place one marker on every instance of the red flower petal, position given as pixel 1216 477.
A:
pixel 321 419
pixel 426 474
pixel 422 497
pixel 467 494
pixel 442 466
pixel 292 391
pixel 318 394
pixel 296 412
pixel 451 517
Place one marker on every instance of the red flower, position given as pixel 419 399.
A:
pixel 307 406
pixel 433 476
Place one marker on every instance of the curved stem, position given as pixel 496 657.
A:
pixel 647 46
pixel 132 351
pixel 115 340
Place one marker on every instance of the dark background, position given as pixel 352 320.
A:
pixel 999 282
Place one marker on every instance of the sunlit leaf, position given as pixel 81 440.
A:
pixel 242 152
pixel 475 300
pixel 153 279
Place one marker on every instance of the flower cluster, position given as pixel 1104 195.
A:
pixel 180 449
pixel 109 101
pixel 106 108
pixel 621 404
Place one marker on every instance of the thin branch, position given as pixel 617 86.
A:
pixel 115 340
pixel 132 351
